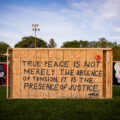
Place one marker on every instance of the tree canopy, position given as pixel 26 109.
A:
pixel 116 53
pixel 71 44
pixel 3 50
pixel 101 43
pixel 52 43
pixel 29 42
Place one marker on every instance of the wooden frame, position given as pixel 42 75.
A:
pixel 106 67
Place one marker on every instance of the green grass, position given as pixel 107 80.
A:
pixel 55 109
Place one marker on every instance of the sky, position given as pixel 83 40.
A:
pixel 62 20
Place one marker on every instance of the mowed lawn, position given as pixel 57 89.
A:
pixel 56 109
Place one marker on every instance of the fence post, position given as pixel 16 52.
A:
pixel 7 54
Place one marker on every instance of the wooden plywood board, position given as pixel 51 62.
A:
pixel 61 73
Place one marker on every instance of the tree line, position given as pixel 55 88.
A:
pixel 28 42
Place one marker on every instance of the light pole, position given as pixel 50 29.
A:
pixel 35 29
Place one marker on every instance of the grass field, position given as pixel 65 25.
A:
pixel 66 109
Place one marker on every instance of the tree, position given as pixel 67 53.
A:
pixel 52 43
pixel 93 44
pixel 84 44
pixel 29 42
pixel 116 53
pixel 71 44
pixel 102 43
pixel 3 50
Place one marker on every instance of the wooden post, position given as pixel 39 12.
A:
pixel 108 74
pixel 7 70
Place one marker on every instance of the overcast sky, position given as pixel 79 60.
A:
pixel 63 20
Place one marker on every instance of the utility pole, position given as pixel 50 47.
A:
pixel 35 29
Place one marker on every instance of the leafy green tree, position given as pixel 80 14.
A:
pixel 52 43
pixel 116 53
pixel 83 44
pixel 3 50
pixel 102 43
pixel 29 42
pixel 71 44
pixel 93 44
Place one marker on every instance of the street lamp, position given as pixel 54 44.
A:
pixel 35 29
